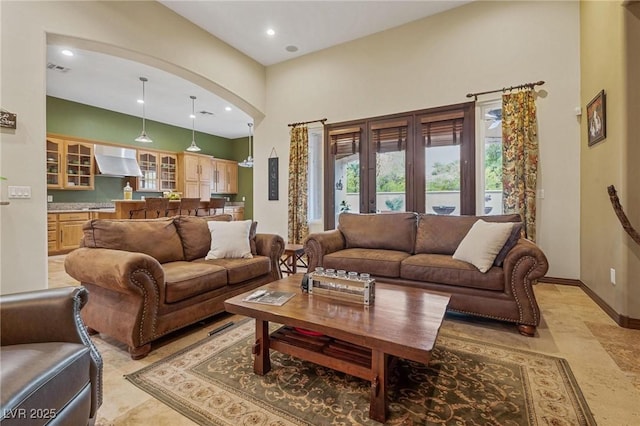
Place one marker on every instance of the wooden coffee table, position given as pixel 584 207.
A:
pixel 358 340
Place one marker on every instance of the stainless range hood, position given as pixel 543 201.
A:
pixel 116 161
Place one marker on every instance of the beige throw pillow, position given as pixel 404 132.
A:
pixel 482 243
pixel 229 240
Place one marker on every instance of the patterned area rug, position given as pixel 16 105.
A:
pixel 466 383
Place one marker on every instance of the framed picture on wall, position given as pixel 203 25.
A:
pixel 597 119
pixel 273 178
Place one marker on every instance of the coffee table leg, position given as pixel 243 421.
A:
pixel 378 406
pixel 261 362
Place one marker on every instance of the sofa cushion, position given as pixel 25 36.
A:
pixel 388 231
pixel 240 270
pixel 43 375
pixel 439 234
pixel 195 235
pixel 382 263
pixel 252 238
pixel 516 234
pixel 157 238
pixel 187 279
pixel 230 240
pixel 443 269
pixel 482 243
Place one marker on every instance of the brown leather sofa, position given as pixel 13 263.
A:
pixel 51 372
pixel 416 250
pixel 148 277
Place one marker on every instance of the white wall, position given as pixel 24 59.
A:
pixel 165 40
pixel 437 61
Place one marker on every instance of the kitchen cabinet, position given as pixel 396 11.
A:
pixel 168 172
pixel 69 164
pixel 55 150
pixel 158 171
pixel 148 162
pixel 70 229
pixel 52 233
pixel 64 231
pixel 195 174
pixel 236 211
pixel 78 170
pixel 224 177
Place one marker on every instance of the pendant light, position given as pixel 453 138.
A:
pixel 248 162
pixel 143 136
pixel 193 147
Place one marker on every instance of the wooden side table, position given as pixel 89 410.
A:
pixel 293 253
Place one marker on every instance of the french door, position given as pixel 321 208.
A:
pixel 422 161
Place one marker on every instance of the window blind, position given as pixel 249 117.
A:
pixel 442 128
pixel 390 136
pixel 345 142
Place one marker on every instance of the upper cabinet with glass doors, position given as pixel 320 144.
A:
pixel 79 165
pixel 55 151
pixel 69 164
pixel 158 171
pixel 148 162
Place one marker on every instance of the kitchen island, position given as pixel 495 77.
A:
pixel 65 220
pixel 123 207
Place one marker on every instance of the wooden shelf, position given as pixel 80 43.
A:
pixel 323 350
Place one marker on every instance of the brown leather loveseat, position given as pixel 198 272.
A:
pixel 416 250
pixel 149 277
pixel 51 372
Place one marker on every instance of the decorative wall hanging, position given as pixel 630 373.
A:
pixel 8 120
pixel 596 119
pixel 273 175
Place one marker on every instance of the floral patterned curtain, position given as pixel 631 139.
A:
pixel 520 157
pixel 298 169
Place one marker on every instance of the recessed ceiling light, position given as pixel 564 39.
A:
pixel 67 52
pixel 227 108
pixel 140 101
pixel 192 116
pixel 291 48
pixel 271 32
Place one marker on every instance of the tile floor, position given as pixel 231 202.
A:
pixel 604 358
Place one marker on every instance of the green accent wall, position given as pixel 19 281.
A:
pixel 245 176
pixel 100 125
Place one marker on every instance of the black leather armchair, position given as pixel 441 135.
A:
pixel 51 372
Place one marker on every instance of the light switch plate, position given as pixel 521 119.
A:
pixel 19 191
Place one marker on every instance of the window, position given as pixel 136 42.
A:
pixel 415 161
pixel 344 149
pixel 389 145
pixel 314 209
pixel 442 140
pixel 490 131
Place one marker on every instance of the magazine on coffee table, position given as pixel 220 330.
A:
pixel 269 297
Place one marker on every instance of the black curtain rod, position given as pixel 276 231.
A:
pixel 506 89
pixel 322 120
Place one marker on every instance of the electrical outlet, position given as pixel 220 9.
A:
pixel 612 273
pixel 49 198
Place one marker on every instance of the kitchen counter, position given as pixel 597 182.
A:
pixel 85 209
pixel 80 207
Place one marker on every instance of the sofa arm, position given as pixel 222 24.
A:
pixel 272 246
pixel 538 265
pixel 524 265
pixel 117 270
pixel 320 243
pixel 51 315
